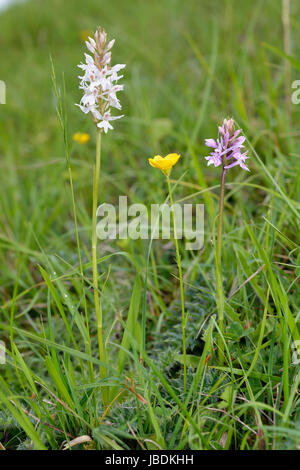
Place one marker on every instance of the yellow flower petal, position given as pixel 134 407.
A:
pixel 172 158
pixel 164 164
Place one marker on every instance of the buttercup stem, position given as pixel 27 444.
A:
pixel 94 254
pixel 183 318
pixel 219 280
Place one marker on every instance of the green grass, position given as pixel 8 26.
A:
pixel 189 65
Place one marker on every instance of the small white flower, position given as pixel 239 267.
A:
pixel 107 58
pixel 110 45
pixel 88 99
pixel 91 45
pixel 104 123
pixel 85 109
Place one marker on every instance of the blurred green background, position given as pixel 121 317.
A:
pixel 189 65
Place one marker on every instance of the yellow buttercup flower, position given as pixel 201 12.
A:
pixel 81 137
pixel 165 164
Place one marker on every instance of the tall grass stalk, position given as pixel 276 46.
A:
pixel 178 259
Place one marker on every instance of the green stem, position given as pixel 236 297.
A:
pixel 88 345
pixel 183 318
pixel 219 279
pixel 94 254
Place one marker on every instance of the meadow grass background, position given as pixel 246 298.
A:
pixel 189 65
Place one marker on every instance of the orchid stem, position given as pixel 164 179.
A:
pixel 94 257
pixel 183 317
pixel 219 279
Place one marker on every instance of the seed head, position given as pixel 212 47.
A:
pixel 99 82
